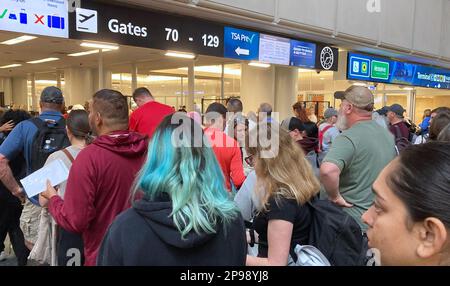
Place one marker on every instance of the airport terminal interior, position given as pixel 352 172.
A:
pixel 75 68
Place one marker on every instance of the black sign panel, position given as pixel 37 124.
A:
pixel 327 58
pixel 127 26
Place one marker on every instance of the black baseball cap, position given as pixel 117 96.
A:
pixel 292 123
pixel 397 109
pixel 52 94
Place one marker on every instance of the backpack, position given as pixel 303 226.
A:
pixel 50 137
pixel 336 234
pixel 401 143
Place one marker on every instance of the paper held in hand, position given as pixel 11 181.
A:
pixel 56 172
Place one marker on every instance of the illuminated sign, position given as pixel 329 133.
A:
pixel 127 26
pixel 377 69
pixel 39 17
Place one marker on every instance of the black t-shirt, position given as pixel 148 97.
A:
pixel 287 210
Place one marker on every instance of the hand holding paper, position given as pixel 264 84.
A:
pixel 55 173
pixel 49 192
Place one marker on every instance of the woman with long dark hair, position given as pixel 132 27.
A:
pixel 409 223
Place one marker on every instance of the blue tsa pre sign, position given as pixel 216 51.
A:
pixel 241 44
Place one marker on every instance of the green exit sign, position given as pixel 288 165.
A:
pixel 380 70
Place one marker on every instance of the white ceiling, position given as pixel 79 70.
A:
pixel 116 61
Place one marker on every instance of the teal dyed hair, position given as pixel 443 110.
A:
pixel 191 176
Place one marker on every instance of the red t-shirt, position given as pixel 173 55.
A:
pixel 229 156
pixel 146 118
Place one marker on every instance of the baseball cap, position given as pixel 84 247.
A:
pixel 52 94
pixel 292 123
pixel 397 109
pixel 330 112
pixel 383 110
pixel 359 96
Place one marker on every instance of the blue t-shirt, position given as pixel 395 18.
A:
pixel 21 139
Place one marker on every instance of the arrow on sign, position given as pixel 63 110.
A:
pixel 240 51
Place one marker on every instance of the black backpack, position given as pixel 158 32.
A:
pixel 336 234
pixel 50 137
pixel 401 143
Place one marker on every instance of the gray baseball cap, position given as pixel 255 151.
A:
pixel 52 94
pixel 359 96
pixel 330 112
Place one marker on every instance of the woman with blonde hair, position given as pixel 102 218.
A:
pixel 285 183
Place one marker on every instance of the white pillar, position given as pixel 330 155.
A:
pixel 257 86
pixel 134 73
pixel 6 87
pixel 286 87
pixel 100 70
pixel 79 85
pixel 20 93
pixel 34 98
pixel 58 79
pixel 191 87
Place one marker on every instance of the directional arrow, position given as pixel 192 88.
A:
pixel 240 51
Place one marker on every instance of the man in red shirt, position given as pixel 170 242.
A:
pixel 100 179
pixel 227 150
pixel 150 113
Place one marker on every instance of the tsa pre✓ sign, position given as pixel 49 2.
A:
pixel 39 17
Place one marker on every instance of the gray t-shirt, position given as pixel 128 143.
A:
pixel 73 150
pixel 361 152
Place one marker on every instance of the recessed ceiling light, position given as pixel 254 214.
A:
pixel 18 40
pixel 259 65
pixel 180 55
pixel 43 60
pixel 105 46
pixel 87 53
pixel 10 66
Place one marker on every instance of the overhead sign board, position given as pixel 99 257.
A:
pixel 303 54
pixel 395 72
pixel 274 50
pixel 241 44
pixel 37 17
pixel 327 58
pixel 107 23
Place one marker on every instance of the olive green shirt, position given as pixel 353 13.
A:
pixel 361 152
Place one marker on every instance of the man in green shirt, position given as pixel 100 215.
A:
pixel 358 155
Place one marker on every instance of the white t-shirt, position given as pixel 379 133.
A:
pixel 328 136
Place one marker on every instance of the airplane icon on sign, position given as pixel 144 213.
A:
pixel 85 17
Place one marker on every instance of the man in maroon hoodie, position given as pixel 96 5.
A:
pixel 99 183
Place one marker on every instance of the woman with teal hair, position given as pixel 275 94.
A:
pixel 185 216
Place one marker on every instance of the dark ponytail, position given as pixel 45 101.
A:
pixel 78 124
pixel 422 181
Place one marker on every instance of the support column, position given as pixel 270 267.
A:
pixel 58 79
pixel 286 87
pixel 100 70
pixel 257 86
pixel 79 85
pixel 411 105
pixel 191 87
pixel 134 73
pixel 20 93
pixel 6 87
pixel 222 83
pixel 34 99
